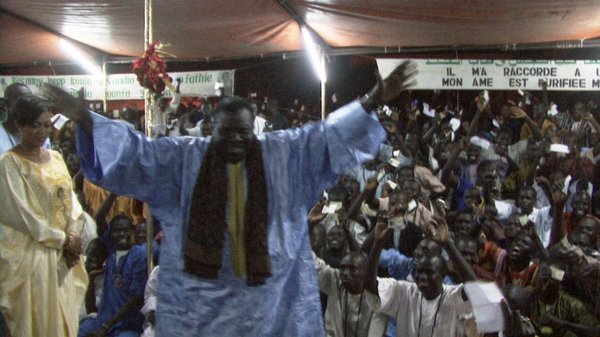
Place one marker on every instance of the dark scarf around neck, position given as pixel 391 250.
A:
pixel 203 249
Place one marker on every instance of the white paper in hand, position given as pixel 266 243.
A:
pixel 332 207
pixel 553 111
pixel 559 148
pixel 59 121
pixel 482 143
pixel 454 124
pixel 485 298
pixel 428 112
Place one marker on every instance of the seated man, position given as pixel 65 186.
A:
pixel 123 293
pixel 95 257
pixel 347 311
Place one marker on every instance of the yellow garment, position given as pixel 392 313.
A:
pixel 39 295
pixel 237 207
pixel 526 132
pixel 95 196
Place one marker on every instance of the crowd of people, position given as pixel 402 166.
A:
pixel 392 211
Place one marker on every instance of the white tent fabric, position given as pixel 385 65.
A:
pixel 29 30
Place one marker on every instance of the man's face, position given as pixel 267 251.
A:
pixel 411 188
pixel 590 227
pixel 140 234
pixel 73 163
pixel 504 139
pixel 579 110
pixel 13 95
pixel 526 200
pixel 488 175
pixel 582 240
pixel 549 285
pixel 120 234
pixel 398 204
pixel 336 238
pixel 233 133
pixel 352 272
pixel 463 223
pixel 352 187
pixel 412 141
pixel 521 248
pixel 581 204
pixel 95 256
pixel 405 174
pixel 468 249
pixel 512 227
pixel 429 275
pixel 472 197
pixel 473 152
pixel 424 249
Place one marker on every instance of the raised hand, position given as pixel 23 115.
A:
pixel 67 104
pixel 438 231
pixel 516 112
pixel 382 228
pixel 558 197
pixel 399 80
pixel 386 90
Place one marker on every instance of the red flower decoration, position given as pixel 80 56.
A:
pixel 151 69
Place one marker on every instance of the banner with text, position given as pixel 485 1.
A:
pixel 126 86
pixel 568 75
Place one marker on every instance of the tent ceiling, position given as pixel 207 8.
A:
pixel 29 30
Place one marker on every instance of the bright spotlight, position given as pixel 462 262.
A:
pixel 82 59
pixel 318 61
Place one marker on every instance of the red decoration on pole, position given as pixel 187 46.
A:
pixel 151 69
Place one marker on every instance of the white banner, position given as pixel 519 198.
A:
pixel 126 86
pixel 567 75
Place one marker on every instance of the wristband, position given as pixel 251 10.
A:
pixel 368 103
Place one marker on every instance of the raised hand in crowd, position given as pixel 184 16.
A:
pixel 73 107
pixel 400 79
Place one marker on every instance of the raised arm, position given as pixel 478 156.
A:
pixel 518 113
pixel 558 199
pixel 72 107
pixel 100 216
pixel 381 232
pixel 386 90
pixel 126 162
pixel 438 231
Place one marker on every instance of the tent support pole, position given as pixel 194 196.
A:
pixel 148 37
